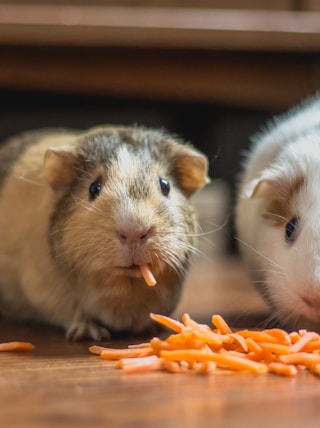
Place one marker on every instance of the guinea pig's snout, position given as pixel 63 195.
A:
pixel 129 236
pixel 313 305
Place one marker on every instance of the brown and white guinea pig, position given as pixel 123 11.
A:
pixel 80 212
pixel 278 215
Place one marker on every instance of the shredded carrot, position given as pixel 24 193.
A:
pixel 283 369
pixel 303 341
pixel 274 348
pixel 140 364
pixel 147 275
pixel 315 368
pixel 115 354
pixel 199 348
pixel 16 346
pixel 140 345
pixel 300 358
pixel 95 349
pixel 167 322
pixel 294 336
pixel 240 340
pixel 253 346
pixel 223 360
pixel 221 324
pixel 259 336
pixel 281 335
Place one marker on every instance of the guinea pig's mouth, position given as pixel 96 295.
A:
pixel 138 271
pixel 132 267
pixel 133 270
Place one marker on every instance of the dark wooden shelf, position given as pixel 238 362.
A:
pixel 247 57
pixel 159 27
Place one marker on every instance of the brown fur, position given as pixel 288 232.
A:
pixel 279 196
pixel 72 261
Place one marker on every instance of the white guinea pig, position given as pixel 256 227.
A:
pixel 86 216
pixel 278 215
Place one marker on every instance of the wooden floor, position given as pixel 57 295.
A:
pixel 62 384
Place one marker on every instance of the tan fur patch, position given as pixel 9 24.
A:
pixel 279 209
pixel 192 171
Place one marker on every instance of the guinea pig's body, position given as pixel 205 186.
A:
pixel 278 215
pixel 80 212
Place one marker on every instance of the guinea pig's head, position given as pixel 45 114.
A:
pixel 123 201
pixel 287 232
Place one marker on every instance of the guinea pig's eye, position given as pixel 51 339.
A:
pixel 292 229
pixel 165 186
pixel 94 189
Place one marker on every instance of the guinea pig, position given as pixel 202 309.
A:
pixel 278 215
pixel 81 212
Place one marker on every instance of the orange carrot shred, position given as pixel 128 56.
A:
pixel 221 324
pixel 240 340
pixel 197 348
pixel 168 322
pixel 95 349
pixel 147 275
pixel 275 348
pixel 281 335
pixel 303 358
pixel 141 364
pixel 259 336
pixel 114 354
pixel 16 346
pixel 283 369
pixel 303 341
pixel 253 346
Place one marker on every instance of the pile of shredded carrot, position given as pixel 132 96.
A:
pixel 16 346
pixel 198 348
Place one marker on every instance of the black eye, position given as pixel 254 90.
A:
pixel 94 189
pixel 165 186
pixel 292 229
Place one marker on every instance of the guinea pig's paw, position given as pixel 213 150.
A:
pixel 87 330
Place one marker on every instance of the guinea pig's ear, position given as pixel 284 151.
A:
pixel 272 186
pixel 259 188
pixel 191 168
pixel 59 167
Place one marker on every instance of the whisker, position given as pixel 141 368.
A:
pixel 87 205
pixel 259 253
pixel 70 228
pixel 277 216
pixel 28 180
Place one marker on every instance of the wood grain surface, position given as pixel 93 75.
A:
pixel 62 384
pixel 193 51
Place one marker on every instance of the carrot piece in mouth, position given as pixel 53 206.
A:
pixel 147 275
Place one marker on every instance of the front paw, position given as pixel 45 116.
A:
pixel 87 330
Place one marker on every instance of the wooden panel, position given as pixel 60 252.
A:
pixel 311 4
pixel 159 28
pixel 246 80
pixel 220 4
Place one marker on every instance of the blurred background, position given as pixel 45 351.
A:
pixel 210 71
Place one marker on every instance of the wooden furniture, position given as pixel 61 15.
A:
pixel 264 56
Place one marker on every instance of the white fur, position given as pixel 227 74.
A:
pixel 287 274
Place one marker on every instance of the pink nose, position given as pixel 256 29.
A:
pixel 128 236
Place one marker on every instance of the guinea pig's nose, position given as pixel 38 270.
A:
pixel 133 236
